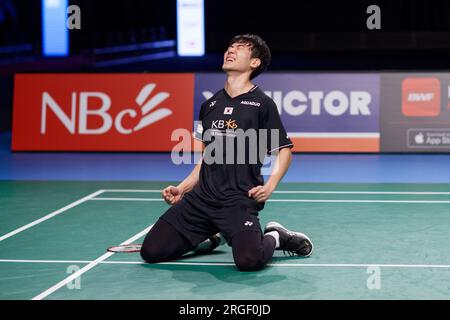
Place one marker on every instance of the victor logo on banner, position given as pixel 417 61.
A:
pixel 321 112
pixel 105 112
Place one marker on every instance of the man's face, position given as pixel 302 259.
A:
pixel 238 57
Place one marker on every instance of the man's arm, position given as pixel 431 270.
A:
pixel 282 163
pixel 191 180
pixel 173 194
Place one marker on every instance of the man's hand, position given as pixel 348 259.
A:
pixel 260 193
pixel 172 195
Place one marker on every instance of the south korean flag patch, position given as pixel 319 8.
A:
pixel 228 110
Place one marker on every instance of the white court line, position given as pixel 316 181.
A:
pixel 309 192
pixel 131 190
pixel 326 265
pixel 363 192
pixel 127 199
pixel 51 215
pixel 44 261
pixel 315 265
pixel 296 200
pixel 88 267
pixel 359 201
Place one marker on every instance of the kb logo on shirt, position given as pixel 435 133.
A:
pixel 224 124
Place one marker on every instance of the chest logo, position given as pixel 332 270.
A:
pixel 231 124
pixel 224 124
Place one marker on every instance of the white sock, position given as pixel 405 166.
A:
pixel 276 236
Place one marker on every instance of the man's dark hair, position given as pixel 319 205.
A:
pixel 259 50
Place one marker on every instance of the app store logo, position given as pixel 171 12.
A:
pixel 419 138
pixel 428 138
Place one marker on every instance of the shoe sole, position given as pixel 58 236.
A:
pixel 209 250
pixel 275 225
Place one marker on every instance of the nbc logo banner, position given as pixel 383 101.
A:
pixel 100 112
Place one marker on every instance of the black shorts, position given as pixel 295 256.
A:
pixel 197 220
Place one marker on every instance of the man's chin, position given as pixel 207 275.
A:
pixel 227 69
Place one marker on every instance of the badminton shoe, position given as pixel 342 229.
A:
pixel 210 244
pixel 295 243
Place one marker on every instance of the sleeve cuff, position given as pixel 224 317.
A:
pixel 290 145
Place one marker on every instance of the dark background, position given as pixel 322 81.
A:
pixel 303 35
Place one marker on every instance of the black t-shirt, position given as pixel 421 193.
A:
pixel 238 132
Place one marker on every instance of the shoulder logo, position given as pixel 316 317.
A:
pixel 199 128
pixel 212 103
pixel 251 103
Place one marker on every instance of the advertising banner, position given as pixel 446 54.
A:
pixel 415 112
pixel 321 112
pixel 100 112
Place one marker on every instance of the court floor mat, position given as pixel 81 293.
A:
pixel 372 241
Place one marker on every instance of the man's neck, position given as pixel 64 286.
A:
pixel 237 84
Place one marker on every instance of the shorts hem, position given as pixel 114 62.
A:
pixel 180 230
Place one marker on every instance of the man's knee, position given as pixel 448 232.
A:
pixel 248 262
pixel 151 252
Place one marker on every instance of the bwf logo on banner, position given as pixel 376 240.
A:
pixel 80 102
pixel 421 97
